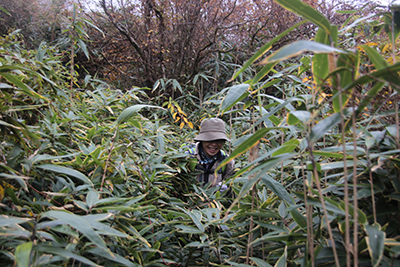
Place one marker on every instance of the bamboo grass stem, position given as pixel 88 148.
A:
pixel 321 198
pixel 355 199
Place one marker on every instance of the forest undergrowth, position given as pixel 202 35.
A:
pixel 92 175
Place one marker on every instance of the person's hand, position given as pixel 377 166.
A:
pixel 223 187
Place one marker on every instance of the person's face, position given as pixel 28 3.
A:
pixel 211 148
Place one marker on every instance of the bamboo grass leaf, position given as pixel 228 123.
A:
pixel 83 46
pixel 346 66
pixel 25 88
pixel 321 62
pixel 63 253
pixel 234 95
pixel 375 242
pixel 298 48
pixel 10 221
pixel 260 262
pixel 66 171
pixel 196 218
pixel 322 127
pixel 91 198
pixel 245 146
pixel 81 225
pixel 282 262
pixel 388 74
pixel 277 188
pixel 377 59
pixel 287 147
pixel 299 115
pixel 127 113
pixel 298 218
pixel 117 258
pixel 307 12
pixel 23 253
pixel 189 229
pixel 264 71
pixel 361 217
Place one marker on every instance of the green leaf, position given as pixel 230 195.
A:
pixel 277 188
pixel 189 229
pixel 287 147
pixel 82 46
pixel 137 235
pixel 5 11
pixel 115 258
pixel 23 128
pixel 151 254
pixel 66 171
pixel 347 65
pixel 376 58
pixel 361 217
pixel 25 88
pixel 247 186
pixel 246 145
pixel 264 71
pixel 10 221
pixel 63 253
pixel 196 216
pixel 23 254
pixel 282 262
pixel 375 242
pixel 388 74
pixel 91 198
pixel 299 115
pixel 321 62
pixel 299 48
pixel 80 224
pixel 393 20
pixel 298 218
pixel 235 94
pixel 322 127
pixel 127 113
pixel 307 12
pixel 281 237
pixel 260 262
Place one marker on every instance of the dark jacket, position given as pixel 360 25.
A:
pixel 208 170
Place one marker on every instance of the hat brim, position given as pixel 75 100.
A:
pixel 211 136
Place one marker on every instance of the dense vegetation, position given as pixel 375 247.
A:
pixel 91 172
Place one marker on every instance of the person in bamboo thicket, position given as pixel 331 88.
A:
pixel 209 154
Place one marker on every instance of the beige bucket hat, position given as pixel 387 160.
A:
pixel 212 129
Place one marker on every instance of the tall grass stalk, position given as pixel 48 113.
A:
pixel 355 200
pixel 321 198
pixel 346 182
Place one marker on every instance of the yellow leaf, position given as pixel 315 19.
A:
pixel 181 125
pixel 109 109
pixel 386 48
pixel 179 109
pixel 190 125
pixel 1 192
pixel 184 118
pixel 305 79
pixel 177 119
pixel 372 44
pixel 174 115
pixel 110 184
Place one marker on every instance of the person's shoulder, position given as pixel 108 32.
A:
pixel 189 148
